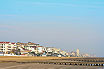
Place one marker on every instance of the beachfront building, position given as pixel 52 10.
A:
pixel 29 49
pixel 73 54
pixel 63 53
pixel 27 46
pixel 51 51
pixel 31 46
pixel 40 51
pixel 6 47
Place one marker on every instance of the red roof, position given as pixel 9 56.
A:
pixel 5 42
pixel 12 43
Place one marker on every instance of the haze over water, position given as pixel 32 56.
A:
pixel 65 24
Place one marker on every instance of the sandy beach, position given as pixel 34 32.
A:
pixel 42 66
pixel 12 63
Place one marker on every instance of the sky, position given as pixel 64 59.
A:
pixel 65 24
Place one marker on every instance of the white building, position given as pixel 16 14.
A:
pixel 6 47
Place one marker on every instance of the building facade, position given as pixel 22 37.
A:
pixel 6 47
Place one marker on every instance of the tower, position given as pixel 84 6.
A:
pixel 77 52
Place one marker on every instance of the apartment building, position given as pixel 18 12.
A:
pixel 51 51
pixel 31 46
pixel 40 49
pixel 27 46
pixel 6 47
pixel 29 49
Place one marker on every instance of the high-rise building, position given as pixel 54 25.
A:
pixel 77 52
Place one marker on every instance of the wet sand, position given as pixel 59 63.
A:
pixel 42 66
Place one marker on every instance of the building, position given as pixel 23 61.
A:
pixel 77 53
pixel 6 47
pixel 30 46
pixel 29 49
pixel 27 46
pixel 51 51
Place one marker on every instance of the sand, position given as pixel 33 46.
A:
pixel 42 66
pixel 14 65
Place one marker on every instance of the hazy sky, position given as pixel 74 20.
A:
pixel 65 24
